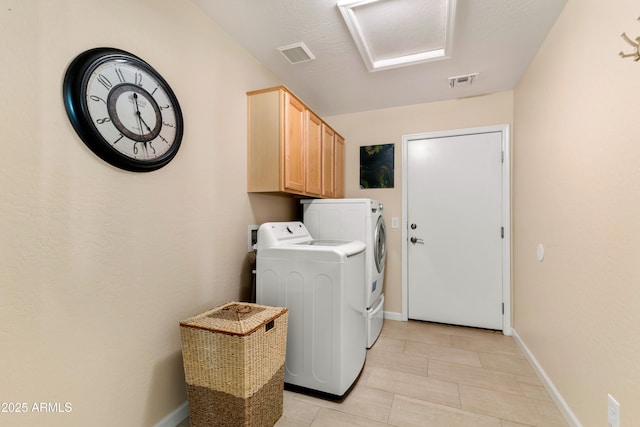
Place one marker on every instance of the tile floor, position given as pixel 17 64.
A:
pixel 426 374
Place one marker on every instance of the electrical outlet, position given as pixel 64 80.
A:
pixel 252 237
pixel 613 412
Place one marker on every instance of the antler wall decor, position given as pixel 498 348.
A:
pixel 636 46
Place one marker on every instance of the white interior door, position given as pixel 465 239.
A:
pixel 454 201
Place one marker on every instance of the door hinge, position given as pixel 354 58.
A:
pixel 502 157
pixel 502 308
pixel 502 232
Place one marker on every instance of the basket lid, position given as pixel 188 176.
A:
pixel 234 318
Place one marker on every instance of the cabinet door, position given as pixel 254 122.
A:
pixel 339 162
pixel 328 167
pixel 264 142
pixel 313 183
pixel 294 156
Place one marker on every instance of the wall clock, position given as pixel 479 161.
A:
pixel 123 109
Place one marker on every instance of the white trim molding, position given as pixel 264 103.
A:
pixel 393 315
pixel 562 405
pixel 175 417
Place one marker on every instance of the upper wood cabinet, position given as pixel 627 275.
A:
pixel 294 144
pixel 339 162
pixel 290 149
pixel 328 161
pixel 332 164
pixel 314 163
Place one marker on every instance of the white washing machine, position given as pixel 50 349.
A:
pixel 318 281
pixel 355 219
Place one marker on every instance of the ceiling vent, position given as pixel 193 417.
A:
pixel 459 81
pixel 297 53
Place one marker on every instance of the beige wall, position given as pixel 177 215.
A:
pixel 387 126
pixel 576 190
pixel 99 265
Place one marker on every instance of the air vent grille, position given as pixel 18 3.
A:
pixel 297 53
pixel 459 81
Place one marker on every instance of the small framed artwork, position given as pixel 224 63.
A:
pixel 376 166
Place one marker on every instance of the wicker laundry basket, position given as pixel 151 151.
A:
pixel 234 364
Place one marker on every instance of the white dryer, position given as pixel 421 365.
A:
pixel 318 281
pixel 355 219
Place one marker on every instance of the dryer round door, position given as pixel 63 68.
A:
pixel 380 244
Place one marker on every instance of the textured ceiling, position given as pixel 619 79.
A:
pixel 495 38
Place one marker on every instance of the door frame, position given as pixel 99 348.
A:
pixel 506 213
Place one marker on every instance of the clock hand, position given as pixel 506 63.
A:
pixel 149 130
pixel 137 113
pixel 140 121
pixel 135 102
pixel 143 122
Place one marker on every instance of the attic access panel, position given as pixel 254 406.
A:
pixel 398 33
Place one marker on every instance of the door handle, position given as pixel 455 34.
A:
pixel 415 240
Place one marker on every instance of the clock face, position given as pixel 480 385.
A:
pixel 123 109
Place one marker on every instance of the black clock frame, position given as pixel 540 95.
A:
pixel 74 95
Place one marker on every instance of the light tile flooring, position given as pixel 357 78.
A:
pixel 426 374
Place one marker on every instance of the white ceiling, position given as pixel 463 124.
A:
pixel 495 38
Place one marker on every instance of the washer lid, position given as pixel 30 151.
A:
pixel 346 247
pixel 317 251
pixel 339 201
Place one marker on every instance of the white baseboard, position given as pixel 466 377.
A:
pixel 175 417
pixel 562 405
pixel 392 315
